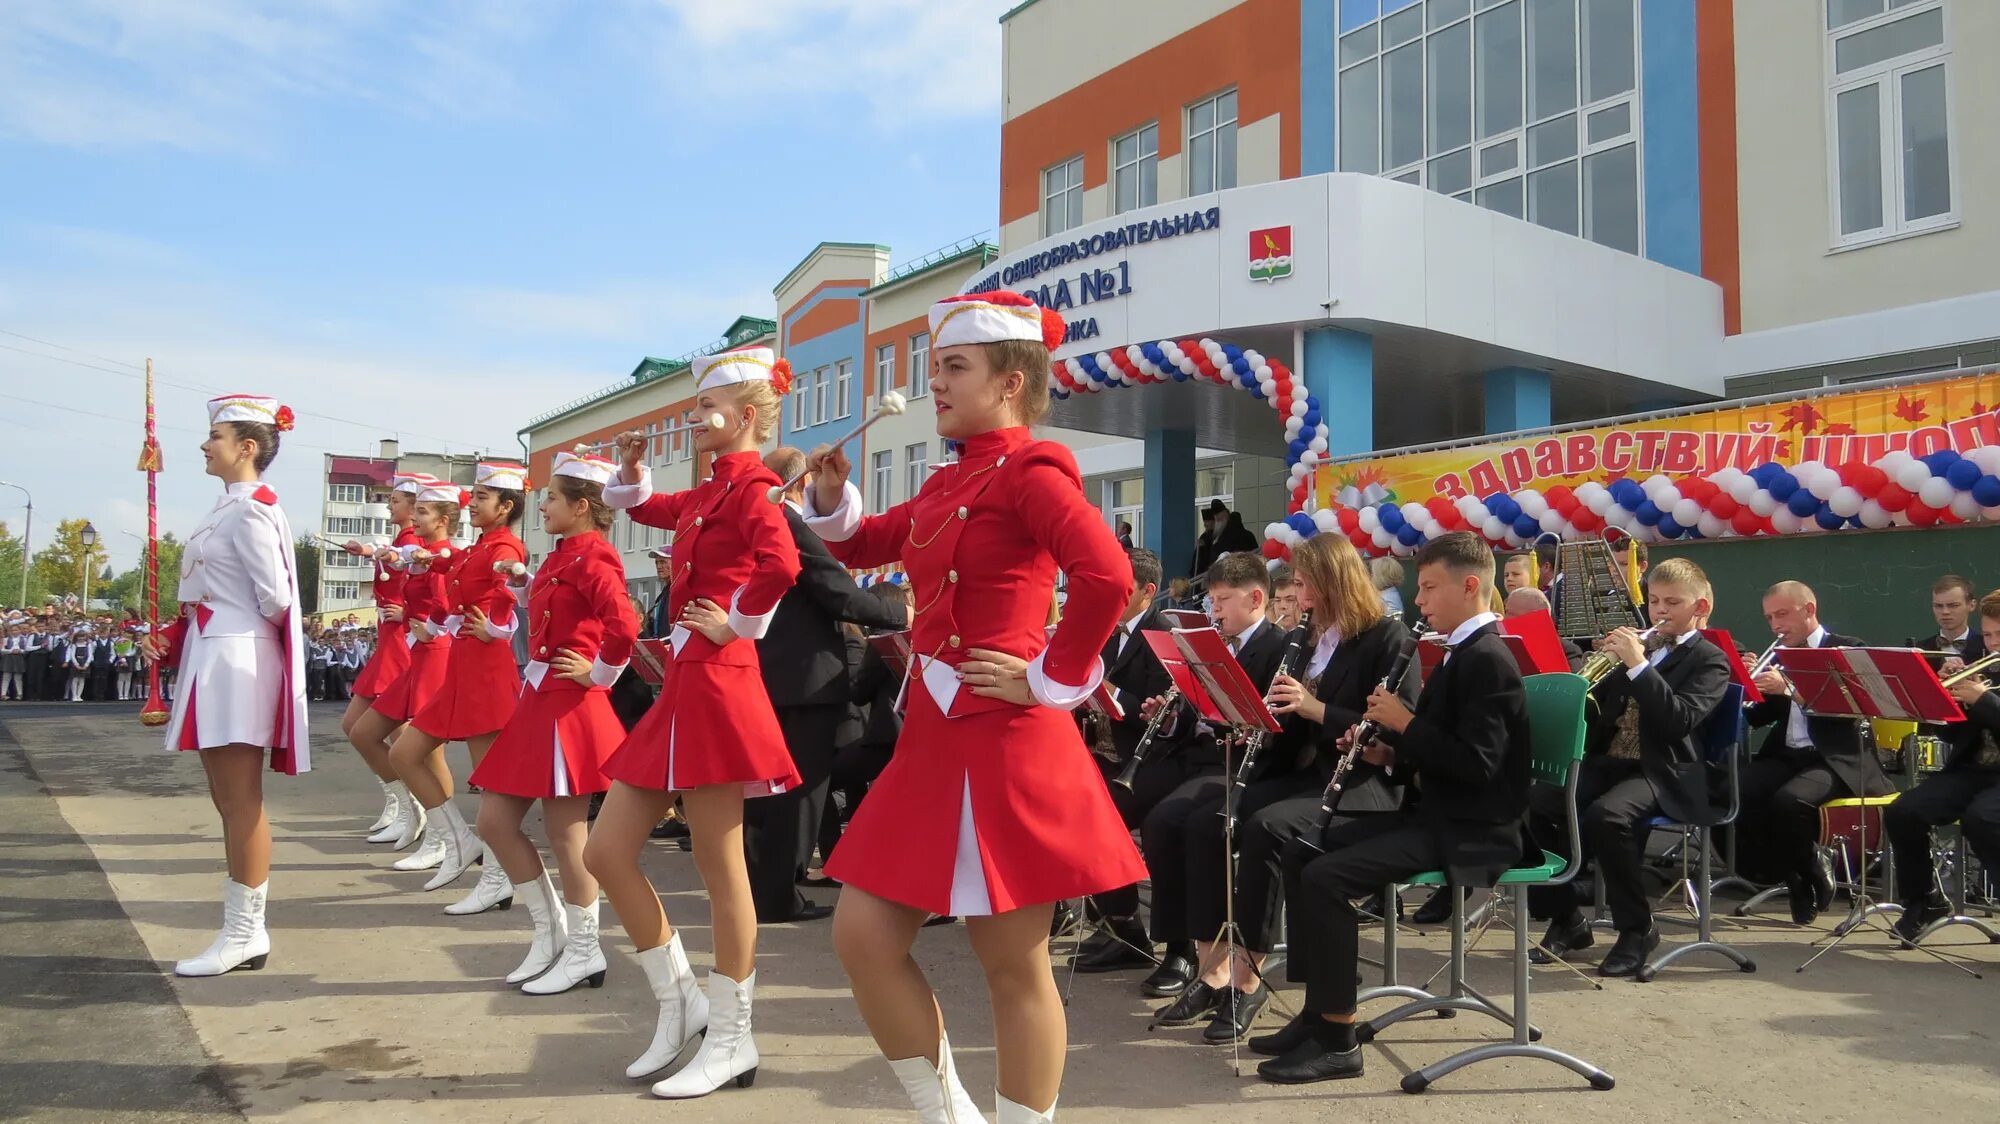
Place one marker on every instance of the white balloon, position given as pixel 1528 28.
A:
pixel 1317 445
pixel 1937 492
pixel 1964 506
pixel 1846 502
pixel 1989 514
pixel 1805 470
pixel 1741 488
pixel 1763 503
pixel 1987 457
pixel 1874 515
pixel 1711 527
pixel 1274 531
pixel 1533 504
pixel 1299 406
pixel 1292 427
pixel 1514 540
pixel 1371 520
pixel 1416 513
pixel 1913 475
pixel 1893 461
pixel 1900 518
pixel 1552 520
pixel 1666 497
pixel 1326 520
pixel 1382 539
pixel 1600 502
pixel 1493 528
pixel 1655 482
pixel 1722 477
pixel 1824 484
pixel 1785 521
pixel 1687 513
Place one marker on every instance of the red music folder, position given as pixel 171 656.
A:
pixel 1170 656
pixel 1739 672
pixel 1892 683
pixel 1186 618
pixel 650 659
pixel 1532 638
pixel 894 649
pixel 1430 652
pixel 1232 693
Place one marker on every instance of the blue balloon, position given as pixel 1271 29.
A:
pixel 1963 474
pixel 1391 517
pixel 1986 491
pixel 1302 523
pixel 1631 497
pixel 1669 527
pixel 1312 417
pixel 1827 519
pixel 1763 474
pixel 1526 526
pixel 1297 448
pixel 1180 375
pixel 1802 503
pixel 1855 521
pixel 1409 536
pixel 1782 485
pixel 1649 514
pixel 1939 461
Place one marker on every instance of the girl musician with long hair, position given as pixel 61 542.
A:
pixel 480 686
pixel 391 658
pixel 991 808
pixel 242 664
pixel 711 737
pixel 580 635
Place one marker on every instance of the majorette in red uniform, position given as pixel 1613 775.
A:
pixel 241 663
pixel 711 734
pixel 426 564
pixel 388 662
pixel 988 806
pixel 481 683
pixel 392 649
pixel 554 747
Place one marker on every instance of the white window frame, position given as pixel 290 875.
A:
pixel 1141 156
pixel 687 436
pixel 882 480
pixel 347 493
pixel 801 403
pixel 1887 76
pixel 343 591
pixel 916 465
pixel 1214 131
pixel 920 365
pixel 843 386
pixel 885 369
pixel 1071 185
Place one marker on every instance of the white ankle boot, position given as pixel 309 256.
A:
pixel 389 809
pixel 935 1091
pixel 1007 1112
pixel 242 943
pixel 401 804
pixel 683 1007
pixel 551 930
pixel 727 1053
pixel 582 960
pixel 461 847
pixel 430 852
pixel 492 891
pixel 410 827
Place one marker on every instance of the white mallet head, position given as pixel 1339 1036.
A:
pixel 893 404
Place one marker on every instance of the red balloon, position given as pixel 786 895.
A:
pixel 1273 548
pixel 1893 496
pixel 1587 521
pixel 1560 497
pixel 1441 509
pixel 1722 505
pixel 1703 491
pixel 1348 518
pixel 1869 480
pixel 1746 521
pixel 1921 514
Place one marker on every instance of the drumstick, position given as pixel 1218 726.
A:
pixel 893 404
pixel 712 421
pixel 511 569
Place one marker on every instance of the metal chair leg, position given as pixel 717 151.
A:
pixel 1390 988
pixel 1961 913
pixel 1462 997
pixel 1704 920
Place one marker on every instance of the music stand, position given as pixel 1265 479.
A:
pixel 1738 673
pixel 1532 639
pixel 1863 684
pixel 650 659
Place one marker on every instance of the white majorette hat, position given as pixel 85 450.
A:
pixel 250 408
pixel 442 491
pixel 598 470
pixel 501 475
pixel 994 317
pixel 412 482
pixel 747 364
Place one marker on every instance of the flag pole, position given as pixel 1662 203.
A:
pixel 155 712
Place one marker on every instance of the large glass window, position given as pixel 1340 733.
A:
pixel 347 493
pixel 1062 196
pixel 885 369
pixel 882 482
pixel 1135 169
pixel 1211 144
pixel 1528 107
pixel 920 364
pixel 916 462
pixel 1888 116
pixel 821 384
pixel 843 385
pixel 801 401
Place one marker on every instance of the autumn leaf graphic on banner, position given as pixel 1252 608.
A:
pixel 1910 409
pixel 1803 416
pixel 1837 429
pixel 1978 408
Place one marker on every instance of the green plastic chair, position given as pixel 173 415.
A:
pixel 1557 727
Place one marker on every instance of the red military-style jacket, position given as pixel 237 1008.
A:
pixel 577 602
pixel 472 583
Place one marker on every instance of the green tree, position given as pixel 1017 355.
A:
pixel 10 573
pixel 307 553
pixel 129 588
pixel 59 565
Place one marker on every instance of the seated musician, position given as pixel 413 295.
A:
pixel 1803 762
pixel 1467 748
pixel 1952 599
pixel 1528 600
pixel 1351 646
pixel 1135 675
pixel 1239 589
pixel 1645 756
pixel 1967 790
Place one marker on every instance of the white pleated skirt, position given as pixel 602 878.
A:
pixel 230 691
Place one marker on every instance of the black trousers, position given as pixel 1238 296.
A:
pixel 1778 828
pixel 1157 779
pixel 1971 797
pixel 1289 802
pixel 1616 801
pixel 1363 855
pixel 1163 840
pixel 779 832
pixel 99 682
pixel 855 768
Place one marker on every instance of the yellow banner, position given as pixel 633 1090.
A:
pixel 1956 413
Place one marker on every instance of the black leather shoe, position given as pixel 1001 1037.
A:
pixel 1436 909
pixel 1918 914
pixel 1120 945
pixel 941 919
pixel 670 829
pixel 1634 947
pixel 1063 920
pixel 1565 935
pixel 1804 899
pixel 1233 1018
pixel 1196 1004
pixel 1171 978
pixel 1285 1039
pixel 1311 1062
pixel 1822 883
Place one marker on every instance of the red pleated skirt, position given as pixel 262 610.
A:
pixel 712 724
pixel 418 683
pixel 481 686
pixel 391 659
pixel 558 727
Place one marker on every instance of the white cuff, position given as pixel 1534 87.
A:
pixel 453 623
pixel 604 674
pixel 498 629
pixel 748 627
pixel 534 673
pixel 1061 696
pixel 839 524
pixel 622 496
pixel 1636 672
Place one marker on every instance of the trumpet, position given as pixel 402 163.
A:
pixel 1168 704
pixel 712 421
pixel 892 405
pixel 1599 664
pixel 1766 658
pixel 1974 668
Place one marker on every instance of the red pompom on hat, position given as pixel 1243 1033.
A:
pixel 283 419
pixel 781 377
pixel 994 317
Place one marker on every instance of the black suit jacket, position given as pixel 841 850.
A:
pixel 803 655
pixel 1964 737
pixel 874 690
pixel 1676 699
pixel 1358 664
pixel 1971 648
pixel 1469 748
pixel 1137 675
pixel 1847 745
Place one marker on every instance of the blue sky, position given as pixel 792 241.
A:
pixel 434 220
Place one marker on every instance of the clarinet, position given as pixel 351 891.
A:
pixel 1168 703
pixel 1363 734
pixel 1253 746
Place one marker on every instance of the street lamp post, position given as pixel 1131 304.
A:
pixel 27 533
pixel 88 536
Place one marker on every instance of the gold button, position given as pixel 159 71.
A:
pixel 953 576
pixel 954 639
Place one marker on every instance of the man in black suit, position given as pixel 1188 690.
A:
pixel 1952 602
pixel 1967 789
pixel 1804 761
pixel 1645 756
pixel 1467 749
pixel 1240 589
pixel 875 688
pixel 804 660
